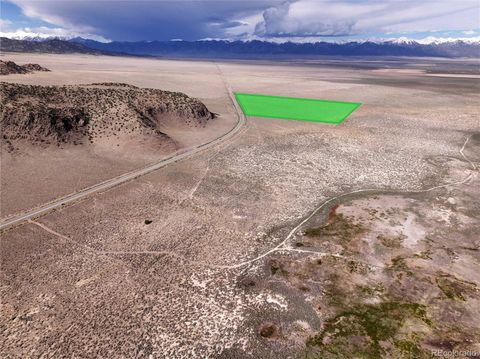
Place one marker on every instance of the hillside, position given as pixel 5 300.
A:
pixel 108 114
pixel 53 46
pixel 10 67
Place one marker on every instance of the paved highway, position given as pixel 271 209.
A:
pixel 17 219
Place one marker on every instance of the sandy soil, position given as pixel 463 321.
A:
pixel 201 279
pixel 57 173
pixel 386 272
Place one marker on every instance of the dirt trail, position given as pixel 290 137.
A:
pixel 282 246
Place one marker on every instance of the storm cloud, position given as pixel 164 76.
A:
pixel 338 18
pixel 198 19
pixel 144 20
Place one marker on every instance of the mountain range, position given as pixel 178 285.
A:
pixel 247 49
pixel 53 46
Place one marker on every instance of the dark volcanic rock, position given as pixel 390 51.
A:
pixel 10 67
pixel 74 114
pixel 34 67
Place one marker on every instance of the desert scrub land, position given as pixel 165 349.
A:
pixel 70 137
pixel 289 240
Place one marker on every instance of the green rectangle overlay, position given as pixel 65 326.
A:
pixel 293 108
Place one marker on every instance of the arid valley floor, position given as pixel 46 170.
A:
pixel 288 239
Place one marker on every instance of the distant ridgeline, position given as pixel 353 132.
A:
pixel 247 49
pixel 52 46
pixel 240 49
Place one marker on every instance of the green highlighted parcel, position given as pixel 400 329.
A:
pixel 293 108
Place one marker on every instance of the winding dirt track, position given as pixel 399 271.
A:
pixel 102 186
pixel 282 246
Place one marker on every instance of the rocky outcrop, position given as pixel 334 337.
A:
pixel 10 67
pixel 34 67
pixel 84 114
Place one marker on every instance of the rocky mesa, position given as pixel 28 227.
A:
pixel 109 114
pixel 10 67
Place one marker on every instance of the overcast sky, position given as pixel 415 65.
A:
pixel 296 20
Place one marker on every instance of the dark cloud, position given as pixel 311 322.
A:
pixel 146 20
pixel 133 20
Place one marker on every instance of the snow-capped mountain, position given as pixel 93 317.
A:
pixel 433 40
pixel 430 47
pixel 49 34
